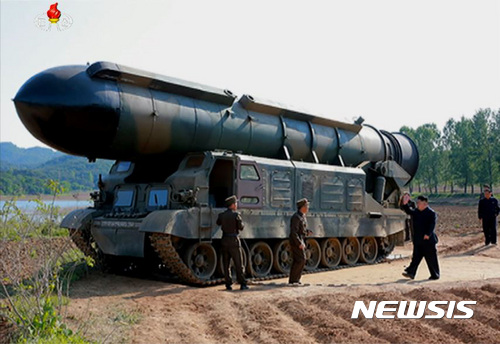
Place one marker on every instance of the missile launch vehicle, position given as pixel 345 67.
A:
pixel 182 148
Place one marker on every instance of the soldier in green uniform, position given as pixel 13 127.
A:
pixel 231 224
pixel 298 232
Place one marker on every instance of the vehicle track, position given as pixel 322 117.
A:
pixel 169 256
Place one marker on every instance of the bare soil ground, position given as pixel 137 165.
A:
pixel 118 309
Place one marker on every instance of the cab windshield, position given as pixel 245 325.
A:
pixel 158 198
pixel 124 198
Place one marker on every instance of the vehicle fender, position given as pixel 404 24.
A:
pixel 77 218
pixel 179 222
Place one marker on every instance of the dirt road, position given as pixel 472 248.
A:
pixel 123 309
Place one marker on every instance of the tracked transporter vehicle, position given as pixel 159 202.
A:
pixel 182 148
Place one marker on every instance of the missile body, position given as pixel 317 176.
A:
pixel 115 112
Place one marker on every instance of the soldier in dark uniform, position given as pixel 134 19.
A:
pixel 488 211
pixel 298 232
pixel 231 224
pixel 424 238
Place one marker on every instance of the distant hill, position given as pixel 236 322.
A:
pixel 17 177
pixel 14 156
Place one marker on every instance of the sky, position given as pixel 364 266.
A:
pixel 393 62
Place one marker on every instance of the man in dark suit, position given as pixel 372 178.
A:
pixel 231 224
pixel 424 237
pixel 298 232
pixel 488 211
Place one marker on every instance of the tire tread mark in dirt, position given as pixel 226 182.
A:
pixel 266 323
pixel 391 330
pixel 326 327
pixel 492 289
pixel 466 330
pixel 482 312
pixel 224 328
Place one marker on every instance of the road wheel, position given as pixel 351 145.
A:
pixel 350 250
pixel 201 258
pixel 331 252
pixel 313 254
pixel 369 250
pixel 283 256
pixel 260 259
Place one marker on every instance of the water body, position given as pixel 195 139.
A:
pixel 28 205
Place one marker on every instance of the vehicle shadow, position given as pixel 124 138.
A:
pixel 98 284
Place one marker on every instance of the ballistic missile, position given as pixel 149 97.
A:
pixel 110 111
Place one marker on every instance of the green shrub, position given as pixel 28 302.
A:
pixel 38 264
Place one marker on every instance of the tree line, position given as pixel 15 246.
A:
pixel 465 154
pixel 74 174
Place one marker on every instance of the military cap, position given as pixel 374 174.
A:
pixel 231 200
pixel 302 202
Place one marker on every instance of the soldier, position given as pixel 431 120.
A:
pixel 488 211
pixel 298 232
pixel 424 238
pixel 231 224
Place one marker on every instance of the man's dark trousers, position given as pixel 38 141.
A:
pixel 490 231
pixel 299 261
pixel 428 251
pixel 231 249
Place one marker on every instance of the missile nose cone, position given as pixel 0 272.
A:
pixel 69 111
